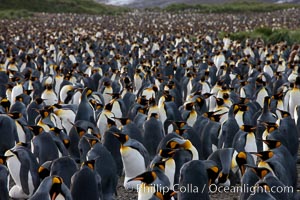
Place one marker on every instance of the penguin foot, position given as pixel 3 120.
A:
pixel 16 192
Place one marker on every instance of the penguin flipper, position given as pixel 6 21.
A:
pixel 24 173
pixel 99 186
pixel 66 192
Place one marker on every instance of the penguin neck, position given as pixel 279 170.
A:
pixel 194 152
pixel 266 107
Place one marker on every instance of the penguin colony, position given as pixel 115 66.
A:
pixel 157 99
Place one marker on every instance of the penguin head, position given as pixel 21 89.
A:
pixel 212 173
pixel 44 112
pixel 93 141
pixel 278 96
pixel 248 128
pixel 241 159
pixel 284 113
pixel 272 144
pixel 176 143
pixel 3 160
pixel 165 195
pixel 123 138
pixel 167 153
pixel 110 122
pixel 261 172
pixel 189 106
pixel 81 131
pixel 240 107
pixel 270 127
pixel 264 155
pixel 108 107
pixel 142 101
pixel 161 165
pixel 90 164
pixel 222 178
pixel 5 103
pixel 56 187
pixel 262 184
pixel 146 177
pixel 36 130
pixel 15 115
pixel 220 101
pixel 124 121
pixel 87 92
pixel 44 169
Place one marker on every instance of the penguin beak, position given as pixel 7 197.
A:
pixel 138 178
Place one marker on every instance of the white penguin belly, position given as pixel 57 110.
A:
pixel 170 171
pixel 116 109
pixel 261 97
pixel 14 167
pixel 145 192
pixel 133 162
pixel 21 133
pixel 251 144
pixel 239 118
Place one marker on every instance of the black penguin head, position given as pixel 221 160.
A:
pixel 90 164
pixel 220 101
pixel 161 165
pixel 143 101
pixel 176 143
pixel 264 155
pixel 165 195
pixel 5 103
pixel 87 92
pixel 93 141
pixel 248 128
pixel 167 153
pixel 123 138
pixel 272 144
pixel 3 160
pixel 43 172
pixel 270 127
pixel 39 100
pixel 124 121
pixel 189 106
pixel 222 178
pixel 261 172
pixel 212 173
pixel 110 122
pixel 146 177
pixel 56 187
pixel 15 115
pixel 108 107
pixel 284 113
pixel 36 130
pixel 241 159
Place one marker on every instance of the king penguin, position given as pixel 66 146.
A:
pixel 135 159
pixel 154 180
pixel 85 109
pixel 193 177
pixel 52 188
pixel 23 168
pixel 153 134
pixel 86 183
pixel 42 145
